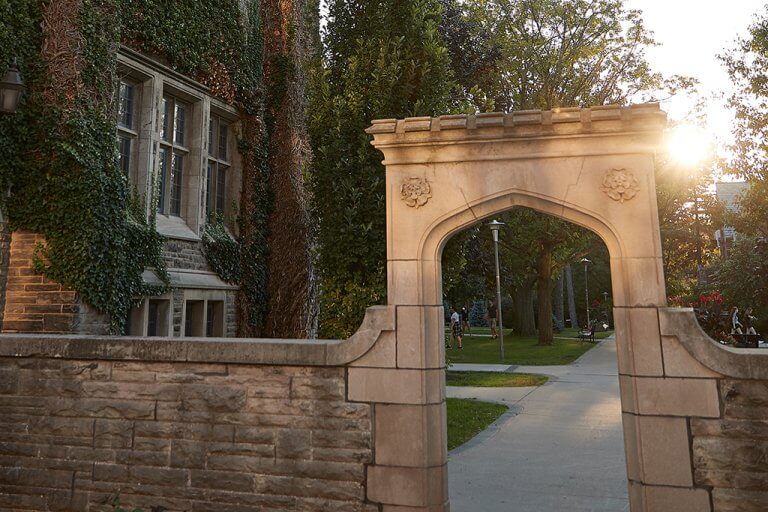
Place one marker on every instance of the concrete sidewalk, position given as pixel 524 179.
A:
pixel 559 449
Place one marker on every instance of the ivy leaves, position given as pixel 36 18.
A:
pixel 221 250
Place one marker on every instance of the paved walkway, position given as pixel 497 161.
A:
pixel 558 449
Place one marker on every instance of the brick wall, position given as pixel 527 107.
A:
pixel 730 454
pixel 32 302
pixel 191 437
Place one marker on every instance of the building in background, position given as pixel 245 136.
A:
pixel 177 145
pixel 195 112
pixel 728 193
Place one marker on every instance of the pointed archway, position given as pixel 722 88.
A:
pixel 593 167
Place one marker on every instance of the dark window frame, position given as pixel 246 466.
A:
pixel 174 127
pixel 219 129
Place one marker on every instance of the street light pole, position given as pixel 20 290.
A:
pixel 495 225
pixel 586 262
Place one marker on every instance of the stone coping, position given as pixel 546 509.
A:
pixel 744 363
pixel 527 123
pixel 286 352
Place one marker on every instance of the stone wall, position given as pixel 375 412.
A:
pixel 730 454
pixel 184 436
pixel 184 254
pixel 30 302
pixel 190 424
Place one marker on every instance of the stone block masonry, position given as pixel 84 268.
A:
pixel 184 436
pixel 730 454
pixel 184 254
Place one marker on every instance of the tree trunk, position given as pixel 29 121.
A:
pixel 571 297
pixel 524 318
pixel 559 309
pixel 291 280
pixel 544 295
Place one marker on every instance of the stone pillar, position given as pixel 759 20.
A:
pixel 660 392
pixel 403 377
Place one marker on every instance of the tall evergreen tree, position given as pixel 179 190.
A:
pixel 381 59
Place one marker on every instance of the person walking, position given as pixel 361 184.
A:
pixel 456 331
pixel 736 326
pixel 493 318
pixel 465 320
pixel 748 319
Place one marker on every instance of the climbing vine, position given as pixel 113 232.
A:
pixel 221 250
pixel 220 44
pixel 58 153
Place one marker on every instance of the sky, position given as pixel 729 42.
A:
pixel 691 34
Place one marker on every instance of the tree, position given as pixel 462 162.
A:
pixel 291 283
pixel 557 53
pixel 743 276
pixel 382 58
pixel 742 279
pixel 532 248
pixel 475 59
pixel 686 212
pixel 747 65
pixel 572 312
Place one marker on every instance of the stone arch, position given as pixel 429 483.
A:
pixel 438 235
pixel 593 167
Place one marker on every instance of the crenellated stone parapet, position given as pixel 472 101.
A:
pixel 532 123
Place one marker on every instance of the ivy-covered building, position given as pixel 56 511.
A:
pixel 138 168
pixel 177 144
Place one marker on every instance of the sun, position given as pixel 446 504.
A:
pixel 689 145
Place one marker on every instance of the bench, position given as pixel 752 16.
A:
pixel 587 334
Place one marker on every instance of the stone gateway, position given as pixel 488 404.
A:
pixel 214 424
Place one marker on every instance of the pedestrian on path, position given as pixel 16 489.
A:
pixel 456 330
pixel 736 326
pixel 748 319
pixel 493 318
pixel 465 320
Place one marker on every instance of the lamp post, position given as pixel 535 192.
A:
pixel 495 226
pixel 11 90
pixel 586 262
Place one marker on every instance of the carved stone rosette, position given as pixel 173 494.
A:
pixel 620 185
pixel 415 191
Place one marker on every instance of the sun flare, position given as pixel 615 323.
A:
pixel 688 145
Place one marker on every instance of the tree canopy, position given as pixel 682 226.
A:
pixel 555 53
pixel 381 58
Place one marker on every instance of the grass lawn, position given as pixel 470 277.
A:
pixel 521 350
pixel 467 418
pixel 494 379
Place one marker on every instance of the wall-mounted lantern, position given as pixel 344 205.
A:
pixel 11 90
